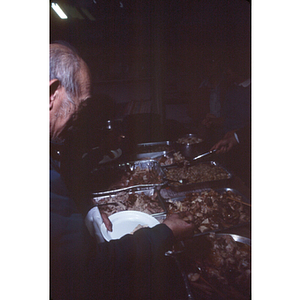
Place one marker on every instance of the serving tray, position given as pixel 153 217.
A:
pixel 122 177
pixel 192 184
pixel 214 284
pixel 116 197
pixel 154 149
pixel 214 218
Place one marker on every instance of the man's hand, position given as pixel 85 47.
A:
pixel 93 221
pixel 106 220
pixel 225 144
pixel 181 225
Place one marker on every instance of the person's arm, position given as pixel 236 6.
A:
pixel 226 143
pixel 113 269
pixel 233 138
pixel 137 262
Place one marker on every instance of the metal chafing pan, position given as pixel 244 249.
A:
pixel 177 186
pixel 170 156
pixel 154 149
pixel 189 139
pixel 190 145
pixel 167 195
pixel 237 238
pixel 171 194
pixel 112 196
pixel 118 175
pixel 182 257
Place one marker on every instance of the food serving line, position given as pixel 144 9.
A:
pixel 165 179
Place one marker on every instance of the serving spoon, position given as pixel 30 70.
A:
pixel 204 154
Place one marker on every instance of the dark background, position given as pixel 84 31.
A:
pixel 158 50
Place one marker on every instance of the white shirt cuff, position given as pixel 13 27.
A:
pixel 236 137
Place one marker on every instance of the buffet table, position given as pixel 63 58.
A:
pixel 142 185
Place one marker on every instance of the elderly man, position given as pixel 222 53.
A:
pixel 128 268
pixel 69 87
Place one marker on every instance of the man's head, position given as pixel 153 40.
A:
pixel 69 87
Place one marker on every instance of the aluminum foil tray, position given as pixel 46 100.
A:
pixel 169 196
pixel 166 193
pixel 170 159
pixel 182 258
pixel 119 197
pixel 197 250
pixel 190 185
pixel 155 149
pixel 133 176
pixel 237 238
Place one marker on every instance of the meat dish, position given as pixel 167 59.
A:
pixel 138 201
pixel 175 158
pixel 218 267
pixel 201 172
pixel 212 211
pixel 139 173
pixel 142 176
pixel 189 140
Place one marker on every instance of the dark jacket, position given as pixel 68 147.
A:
pixel 129 268
pixel 237 107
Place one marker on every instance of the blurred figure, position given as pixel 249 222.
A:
pixel 235 110
pixel 207 98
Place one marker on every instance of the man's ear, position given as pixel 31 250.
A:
pixel 54 85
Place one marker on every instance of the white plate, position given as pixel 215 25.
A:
pixel 124 222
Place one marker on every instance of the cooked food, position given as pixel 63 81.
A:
pixel 190 140
pixel 131 201
pixel 211 210
pixel 138 227
pixel 195 174
pixel 143 176
pixel 218 267
pixel 176 158
pixel 137 176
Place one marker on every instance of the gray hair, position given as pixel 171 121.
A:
pixel 65 66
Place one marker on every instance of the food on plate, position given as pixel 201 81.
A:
pixel 194 174
pixel 189 140
pixel 131 201
pixel 218 267
pixel 138 227
pixel 212 210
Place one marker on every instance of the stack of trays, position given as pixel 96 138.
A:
pixel 151 150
